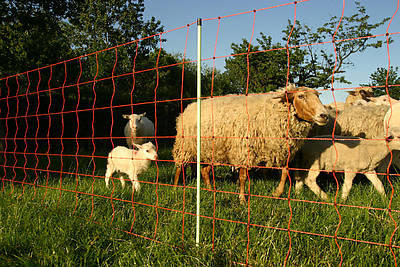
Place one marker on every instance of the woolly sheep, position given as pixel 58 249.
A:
pixel 130 161
pixel 365 122
pixel 360 121
pixel 138 130
pixel 351 156
pixel 358 96
pixel 359 93
pixel 248 130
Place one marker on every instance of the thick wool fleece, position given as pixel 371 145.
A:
pixel 240 130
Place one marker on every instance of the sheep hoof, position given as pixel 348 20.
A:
pixel 242 199
pixel 136 186
pixel 277 193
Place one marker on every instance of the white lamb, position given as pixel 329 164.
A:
pixel 130 161
pixel 138 130
pixel 354 155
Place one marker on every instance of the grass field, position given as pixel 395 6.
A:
pixel 100 226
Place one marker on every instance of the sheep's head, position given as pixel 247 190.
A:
pixel 359 93
pixel 393 138
pixel 307 104
pixel 391 121
pixel 148 150
pixel 134 120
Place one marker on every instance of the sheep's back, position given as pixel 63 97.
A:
pixel 239 131
pixel 360 121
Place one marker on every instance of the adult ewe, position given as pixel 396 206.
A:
pixel 138 130
pixel 246 131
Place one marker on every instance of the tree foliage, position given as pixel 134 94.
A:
pixel 36 33
pixel 378 78
pixel 309 66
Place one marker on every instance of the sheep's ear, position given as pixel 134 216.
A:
pixel 363 92
pixel 282 96
pixel 351 92
pixel 125 116
pixel 143 114
pixel 137 146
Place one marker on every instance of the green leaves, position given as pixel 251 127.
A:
pixel 378 78
pixel 309 64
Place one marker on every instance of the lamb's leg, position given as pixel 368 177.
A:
pixel 348 183
pixel 242 181
pixel 311 182
pixel 205 173
pixel 279 189
pixel 108 174
pixel 376 182
pixel 121 178
pixel 134 180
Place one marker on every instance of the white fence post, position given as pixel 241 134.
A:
pixel 198 129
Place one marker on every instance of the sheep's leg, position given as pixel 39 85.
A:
pixel 177 174
pixel 376 182
pixel 299 182
pixel 299 186
pixel 348 183
pixel 279 189
pixel 205 173
pixel 311 182
pixel 242 181
pixel 121 178
pixel 108 174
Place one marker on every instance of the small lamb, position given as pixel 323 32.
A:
pixel 354 155
pixel 138 130
pixel 130 161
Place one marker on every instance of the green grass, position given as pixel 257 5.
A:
pixel 53 227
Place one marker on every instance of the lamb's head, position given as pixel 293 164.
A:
pixel 148 150
pixel 307 104
pixel 135 120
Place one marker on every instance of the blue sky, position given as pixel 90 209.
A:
pixel 174 14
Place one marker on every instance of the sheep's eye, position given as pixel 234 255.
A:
pixel 301 96
pixel 147 151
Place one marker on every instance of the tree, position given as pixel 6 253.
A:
pixel 378 78
pixel 37 33
pixel 308 66
pixel 31 35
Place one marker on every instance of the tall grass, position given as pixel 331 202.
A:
pixel 62 227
